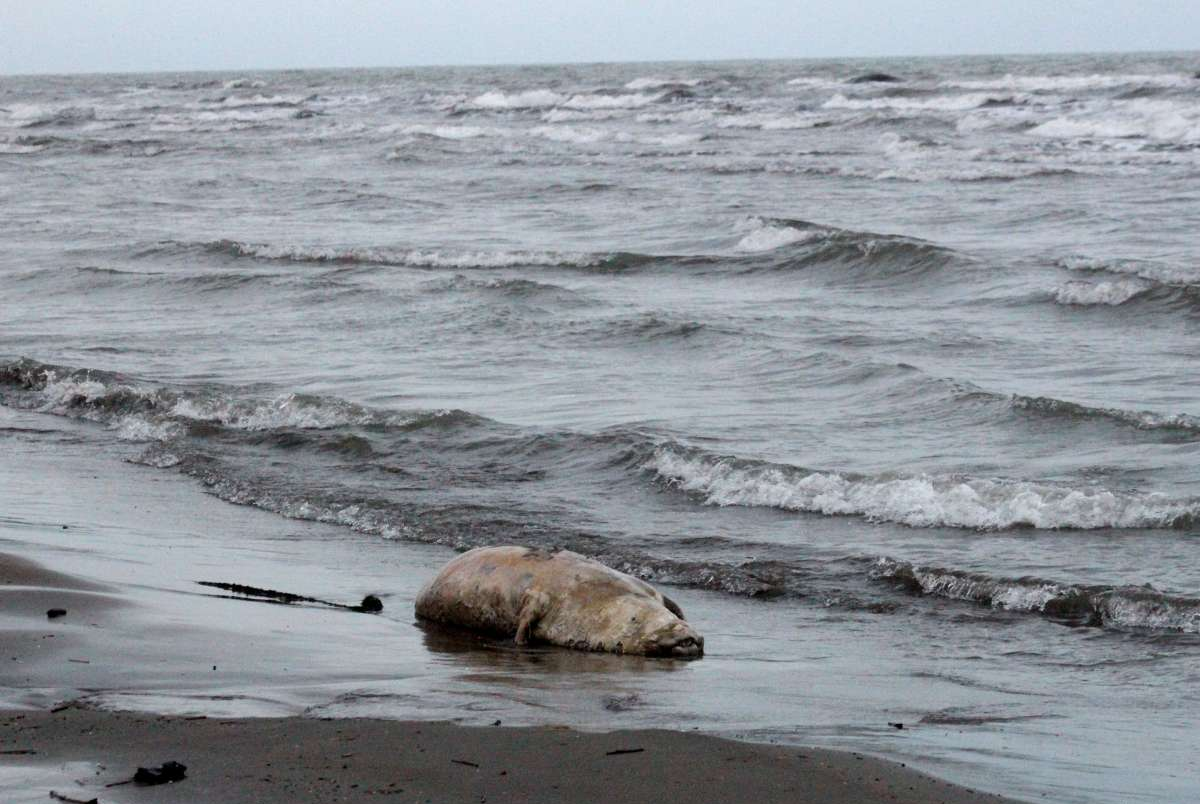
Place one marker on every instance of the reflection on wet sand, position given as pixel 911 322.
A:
pixel 469 650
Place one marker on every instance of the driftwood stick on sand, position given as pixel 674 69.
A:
pixel 370 603
pixel 69 800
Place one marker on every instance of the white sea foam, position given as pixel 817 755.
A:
pixel 653 82
pixel 236 101
pixel 529 99
pixel 770 121
pixel 288 410
pixel 33 114
pixel 1160 272
pixel 141 428
pixel 937 103
pixel 449 132
pixel 563 133
pixel 666 140
pixel 1111 293
pixel 817 83
pixel 576 116
pixel 21 148
pixel 768 238
pixel 634 101
pixel 1143 118
pixel 1073 83
pixel 684 117
pixel 415 258
pixel 920 501
pixel 244 83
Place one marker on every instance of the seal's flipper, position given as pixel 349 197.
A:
pixel 532 607
pixel 524 627
pixel 673 607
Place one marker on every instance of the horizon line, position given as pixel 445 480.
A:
pixel 590 63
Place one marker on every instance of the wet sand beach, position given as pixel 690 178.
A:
pixel 287 760
pixel 84 753
pixel 146 667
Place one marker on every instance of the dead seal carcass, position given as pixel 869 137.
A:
pixel 562 598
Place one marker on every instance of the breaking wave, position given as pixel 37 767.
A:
pixel 1141 419
pixel 138 410
pixel 1140 118
pixel 1133 608
pixel 922 501
pixel 1111 293
pixel 408 258
pixel 1074 83
pixel 799 244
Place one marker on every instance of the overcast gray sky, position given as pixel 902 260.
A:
pixel 144 35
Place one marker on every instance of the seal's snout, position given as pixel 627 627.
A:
pixel 688 647
pixel 679 641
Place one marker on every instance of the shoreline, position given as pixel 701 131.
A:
pixel 142 642
pixel 355 759
pixel 286 760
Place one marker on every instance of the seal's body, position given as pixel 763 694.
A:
pixel 562 598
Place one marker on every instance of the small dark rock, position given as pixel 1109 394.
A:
pixel 371 603
pixel 897 726
pixel 874 78
pixel 52 613
pixel 164 774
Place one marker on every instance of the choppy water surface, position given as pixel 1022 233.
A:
pixel 917 352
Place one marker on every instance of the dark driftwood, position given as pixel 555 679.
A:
pixel 370 603
pixel 69 800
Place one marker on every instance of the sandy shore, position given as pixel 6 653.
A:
pixel 78 751
pixel 288 760
pixel 262 701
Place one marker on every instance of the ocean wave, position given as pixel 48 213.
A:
pixel 1110 293
pixel 1160 273
pixel 972 173
pixel 528 99
pixel 782 243
pixel 1073 83
pixel 631 101
pixel 767 236
pixel 922 501
pixel 138 410
pixel 448 132
pixel 59 117
pixel 241 83
pixel 1126 608
pixel 1144 119
pixel 565 133
pixel 654 82
pixel 771 121
pixel 511 287
pixel 240 101
pixel 1141 419
pixel 410 258
pixel 937 103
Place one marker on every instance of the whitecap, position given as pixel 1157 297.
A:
pixel 919 501
pixel 529 99
pixel 1109 293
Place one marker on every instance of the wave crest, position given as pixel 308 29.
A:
pixel 1121 607
pixel 922 501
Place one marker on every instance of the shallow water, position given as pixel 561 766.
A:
pixel 905 358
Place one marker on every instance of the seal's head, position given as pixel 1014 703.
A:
pixel 676 639
pixel 651 629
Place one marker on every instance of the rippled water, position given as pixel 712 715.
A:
pixel 920 350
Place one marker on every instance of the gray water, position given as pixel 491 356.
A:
pixel 911 355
